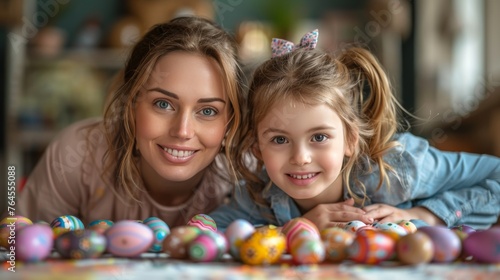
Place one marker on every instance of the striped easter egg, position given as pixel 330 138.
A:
pixel 160 231
pixel 203 222
pixel 69 222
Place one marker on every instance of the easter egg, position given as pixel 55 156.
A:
pixel 208 246
pixel 236 233
pixel 160 231
pixel 100 225
pixel 68 222
pixel 307 250
pixel 336 242
pixel 408 226
pixel 128 239
pixel 415 248
pixel 371 247
pixel 80 244
pixel 8 227
pixel 484 246
pixel 176 243
pixel 59 230
pixel 296 225
pixel 391 227
pixel 464 228
pixel 34 243
pixel 447 245
pixel 353 226
pixel 203 222
pixel 264 246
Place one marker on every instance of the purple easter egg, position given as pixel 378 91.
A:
pixel 34 242
pixel 484 246
pixel 446 243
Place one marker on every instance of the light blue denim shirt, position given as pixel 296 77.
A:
pixel 458 187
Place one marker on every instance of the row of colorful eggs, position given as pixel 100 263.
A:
pixel 199 240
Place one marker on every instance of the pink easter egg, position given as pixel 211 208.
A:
pixel 208 246
pixel 295 226
pixel 128 239
pixel 34 243
pixel 203 222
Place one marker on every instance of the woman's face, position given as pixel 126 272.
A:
pixel 181 117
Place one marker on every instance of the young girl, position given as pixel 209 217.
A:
pixel 325 128
pixel 165 143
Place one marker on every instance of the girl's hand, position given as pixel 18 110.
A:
pixel 336 214
pixel 384 213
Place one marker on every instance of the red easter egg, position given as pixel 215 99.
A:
pixel 371 247
pixel 128 239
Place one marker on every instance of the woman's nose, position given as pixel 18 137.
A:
pixel 300 156
pixel 183 126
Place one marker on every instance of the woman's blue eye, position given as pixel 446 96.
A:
pixel 279 140
pixel 319 137
pixel 162 104
pixel 208 112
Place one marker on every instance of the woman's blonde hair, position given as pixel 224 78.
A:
pixel 353 84
pixel 189 34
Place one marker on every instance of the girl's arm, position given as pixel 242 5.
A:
pixel 456 187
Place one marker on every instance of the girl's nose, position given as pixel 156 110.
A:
pixel 183 126
pixel 300 156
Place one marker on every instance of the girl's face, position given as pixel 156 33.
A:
pixel 303 147
pixel 181 117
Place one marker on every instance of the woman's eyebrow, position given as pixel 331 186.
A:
pixel 175 96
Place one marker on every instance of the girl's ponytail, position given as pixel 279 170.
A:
pixel 373 99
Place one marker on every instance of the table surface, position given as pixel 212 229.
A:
pixel 159 266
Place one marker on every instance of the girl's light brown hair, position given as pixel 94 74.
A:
pixel 189 34
pixel 353 84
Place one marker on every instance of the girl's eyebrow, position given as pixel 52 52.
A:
pixel 175 96
pixel 277 130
